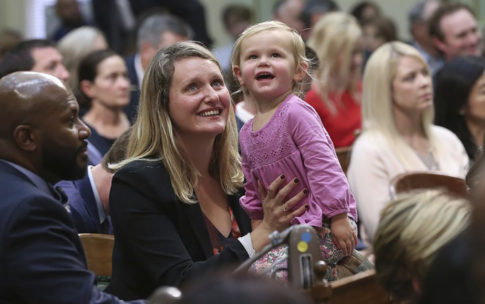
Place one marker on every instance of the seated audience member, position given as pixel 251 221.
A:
pixel 103 80
pixel 460 101
pixel 376 32
pixel 41 55
pixel 288 12
pixel 364 11
pixel 398 133
pixel 241 289
pixel 43 141
pixel 411 231
pixel 418 18
pixel 236 18
pixel 38 55
pixel 89 196
pixel 70 17
pixel 336 90
pixel 312 12
pixel 180 182
pixel 74 47
pixel 155 32
pixel 454 31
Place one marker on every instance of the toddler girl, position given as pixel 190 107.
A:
pixel 287 136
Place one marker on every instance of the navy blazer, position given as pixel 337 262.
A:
pixel 132 108
pixel 158 239
pixel 84 210
pixel 41 257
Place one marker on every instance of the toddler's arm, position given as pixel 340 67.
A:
pixel 344 235
pixel 329 189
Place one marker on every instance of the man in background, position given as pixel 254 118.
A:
pixel 454 31
pixel 155 32
pixel 38 55
pixel 418 18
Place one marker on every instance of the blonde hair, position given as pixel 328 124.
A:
pixel 76 45
pixel 153 136
pixel 411 231
pixel 297 45
pixel 334 39
pixel 377 103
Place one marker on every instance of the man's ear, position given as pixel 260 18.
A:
pixel 439 44
pixel 25 138
pixel 237 71
pixel 301 72
pixel 87 88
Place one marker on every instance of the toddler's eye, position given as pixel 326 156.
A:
pixel 217 83
pixel 252 57
pixel 275 55
pixel 191 87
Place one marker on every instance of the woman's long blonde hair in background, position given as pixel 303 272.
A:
pixel 154 136
pixel 377 102
pixel 334 39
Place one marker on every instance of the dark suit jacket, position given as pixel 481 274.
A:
pixel 84 210
pixel 131 109
pixel 41 257
pixel 158 239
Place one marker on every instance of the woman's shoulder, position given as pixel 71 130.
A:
pixel 443 133
pixel 141 167
pixel 368 141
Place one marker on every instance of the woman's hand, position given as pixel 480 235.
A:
pixel 344 235
pixel 277 214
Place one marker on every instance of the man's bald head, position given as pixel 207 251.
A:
pixel 39 126
pixel 23 95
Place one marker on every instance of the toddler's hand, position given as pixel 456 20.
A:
pixel 343 234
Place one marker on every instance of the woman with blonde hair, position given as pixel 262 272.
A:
pixel 175 199
pixel 336 89
pixel 398 134
pixel 412 230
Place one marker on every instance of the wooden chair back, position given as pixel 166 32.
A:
pixel 98 249
pixel 361 288
pixel 426 180
pixel 343 155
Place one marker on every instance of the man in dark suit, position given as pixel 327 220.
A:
pixel 89 196
pixel 42 141
pixel 155 32
pixel 40 55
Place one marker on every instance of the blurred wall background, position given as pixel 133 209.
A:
pixel 29 16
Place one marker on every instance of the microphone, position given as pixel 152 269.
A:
pixel 303 253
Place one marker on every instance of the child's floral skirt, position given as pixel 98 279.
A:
pixel 274 262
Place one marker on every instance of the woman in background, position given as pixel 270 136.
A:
pixel 103 80
pixel 336 89
pixel 460 101
pixel 398 134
